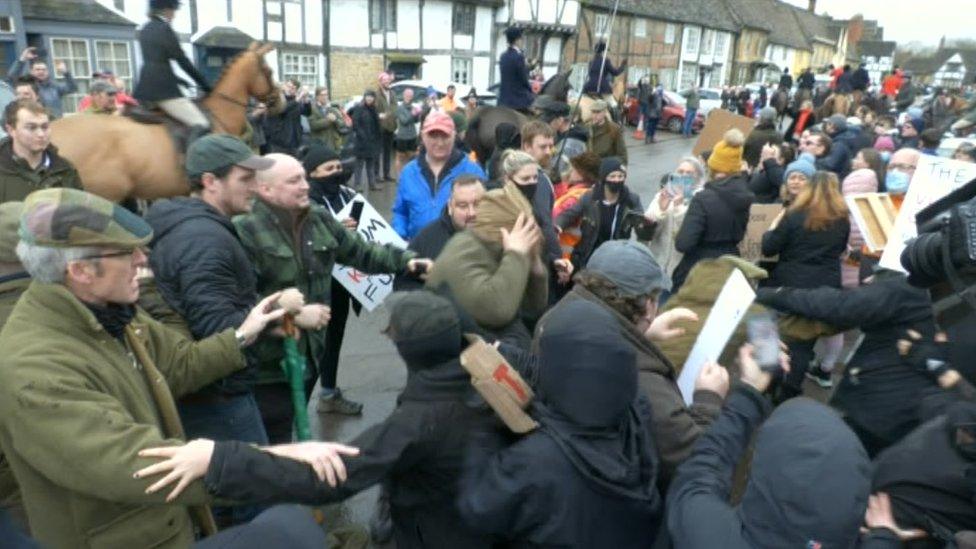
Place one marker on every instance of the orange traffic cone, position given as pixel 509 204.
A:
pixel 639 132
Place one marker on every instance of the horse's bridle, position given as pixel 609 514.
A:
pixel 265 98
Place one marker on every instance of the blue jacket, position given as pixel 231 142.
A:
pixel 420 198
pixel 514 90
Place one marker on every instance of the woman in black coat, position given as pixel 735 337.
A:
pixel 810 237
pixel 366 130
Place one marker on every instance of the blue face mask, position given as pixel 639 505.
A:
pixel 886 156
pixel 897 182
pixel 684 184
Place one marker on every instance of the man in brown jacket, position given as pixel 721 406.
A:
pixel 623 277
pixel 386 105
pixel 606 137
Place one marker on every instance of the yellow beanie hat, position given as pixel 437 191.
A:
pixel 726 157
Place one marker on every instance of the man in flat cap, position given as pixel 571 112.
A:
pixel 87 379
pixel 606 137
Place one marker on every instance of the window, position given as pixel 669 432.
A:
pixel 303 67
pixel 707 42
pixel 461 70
pixel 782 54
pixel 114 56
pixel 382 15
pixel 464 15
pixel 689 75
pixel 668 78
pixel 692 37
pixel 74 54
pixel 634 74
pixel 6 23
pixel 602 25
pixel 669 32
pixel 721 39
pixel 640 28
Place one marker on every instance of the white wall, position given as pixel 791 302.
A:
pixel 313 23
pixel 481 71
pixel 349 23
pixel 548 11
pixel 437 26
pixel 521 10
pixel 209 15
pixel 408 24
pixel 463 41
pixel 482 29
pixel 294 21
pixel 437 68
pixel 570 13
pixel 248 16
pixel 554 48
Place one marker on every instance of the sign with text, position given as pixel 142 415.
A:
pixel 368 290
pixel 761 216
pixel 731 306
pixel 934 178
pixel 717 123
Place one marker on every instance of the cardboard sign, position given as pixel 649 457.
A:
pixel 717 123
pixel 934 178
pixel 369 290
pixel 499 384
pixel 730 307
pixel 874 214
pixel 761 216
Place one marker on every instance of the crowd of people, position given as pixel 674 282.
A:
pixel 143 401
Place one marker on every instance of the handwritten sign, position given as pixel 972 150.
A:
pixel 369 290
pixel 717 123
pixel 761 216
pixel 731 306
pixel 934 178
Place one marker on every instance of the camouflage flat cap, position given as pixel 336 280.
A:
pixel 9 221
pixel 63 218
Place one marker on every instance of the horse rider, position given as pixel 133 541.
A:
pixel 786 81
pixel 157 82
pixel 599 81
pixel 514 90
pixel 804 86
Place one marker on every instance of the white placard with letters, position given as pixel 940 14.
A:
pixel 369 290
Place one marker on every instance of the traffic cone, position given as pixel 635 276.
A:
pixel 639 132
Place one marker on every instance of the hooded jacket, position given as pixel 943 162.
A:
pixel 765 183
pixel 809 482
pixel 807 258
pixel 203 273
pixel 587 213
pixel 17 179
pixel 418 450
pixel 586 477
pixel 879 395
pixel 843 147
pixel 714 225
pixel 366 129
pixel 421 196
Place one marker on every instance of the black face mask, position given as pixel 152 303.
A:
pixel 528 190
pixel 614 187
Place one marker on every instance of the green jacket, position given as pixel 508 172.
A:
pixel 11 287
pixel 328 131
pixel 491 285
pixel 384 105
pixel 17 179
pixel 284 257
pixel 75 408
pixel 607 139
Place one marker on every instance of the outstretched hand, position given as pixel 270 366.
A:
pixel 879 515
pixel 182 465
pixel 663 327
pixel 324 457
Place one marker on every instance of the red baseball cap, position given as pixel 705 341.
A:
pixel 438 122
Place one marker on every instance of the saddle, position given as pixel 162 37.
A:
pixel 178 132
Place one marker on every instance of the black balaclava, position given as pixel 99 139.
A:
pixel 608 166
pixel 324 190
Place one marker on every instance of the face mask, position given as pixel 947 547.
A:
pixel 684 184
pixel 897 182
pixel 614 186
pixel 527 190
pixel 886 156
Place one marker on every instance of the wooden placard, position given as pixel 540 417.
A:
pixel 717 123
pixel 761 216
pixel 499 384
pixel 874 214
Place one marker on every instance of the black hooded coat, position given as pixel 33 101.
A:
pixel 586 477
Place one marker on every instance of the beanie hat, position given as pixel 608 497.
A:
pixel 726 156
pixel 884 143
pixel 609 165
pixel 425 328
pixel 839 122
pixel 918 123
pixel 803 164
pixel 318 155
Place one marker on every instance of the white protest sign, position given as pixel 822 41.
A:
pixel 934 178
pixel 369 290
pixel 730 307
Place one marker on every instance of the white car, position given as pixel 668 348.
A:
pixel 711 98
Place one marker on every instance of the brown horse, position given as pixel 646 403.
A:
pixel 118 158
pixel 837 103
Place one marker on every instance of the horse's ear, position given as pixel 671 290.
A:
pixel 265 48
pixel 253 46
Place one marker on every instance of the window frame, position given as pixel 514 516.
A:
pixel 468 70
pixel 697 32
pixel 387 16
pixel 99 64
pixel 297 66
pixel 601 30
pixel 640 28
pixel 670 29
pixel 468 15
pixel 82 78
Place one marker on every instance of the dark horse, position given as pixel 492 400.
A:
pixel 781 102
pixel 480 136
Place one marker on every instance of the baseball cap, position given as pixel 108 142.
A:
pixel 67 218
pixel 630 265
pixel 215 151
pixel 438 122
pixel 102 86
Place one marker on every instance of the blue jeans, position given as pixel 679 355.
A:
pixel 226 417
pixel 650 127
pixel 689 121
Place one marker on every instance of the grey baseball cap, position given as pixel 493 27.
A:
pixel 215 151
pixel 630 265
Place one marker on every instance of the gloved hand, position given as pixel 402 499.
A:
pixel 930 356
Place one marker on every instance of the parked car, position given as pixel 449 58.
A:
pixel 711 98
pixel 672 117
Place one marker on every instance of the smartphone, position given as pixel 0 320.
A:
pixel 357 210
pixel 421 269
pixel 764 337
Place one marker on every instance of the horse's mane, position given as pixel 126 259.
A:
pixel 547 85
pixel 239 57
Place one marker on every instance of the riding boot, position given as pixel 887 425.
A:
pixel 196 132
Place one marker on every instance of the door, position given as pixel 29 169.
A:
pixel 212 60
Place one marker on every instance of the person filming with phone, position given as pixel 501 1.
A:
pixel 610 211
pixel 50 92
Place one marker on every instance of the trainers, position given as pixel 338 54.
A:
pixel 820 377
pixel 335 403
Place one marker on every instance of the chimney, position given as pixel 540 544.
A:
pixel 812 6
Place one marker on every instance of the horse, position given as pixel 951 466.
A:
pixel 118 158
pixel 480 136
pixel 837 103
pixel 781 102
